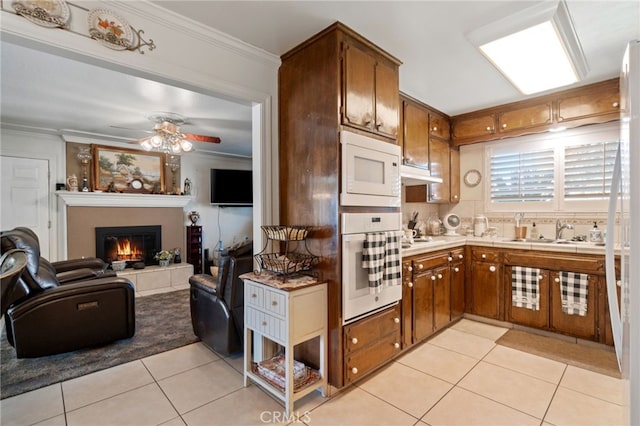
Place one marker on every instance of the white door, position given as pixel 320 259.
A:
pixel 25 197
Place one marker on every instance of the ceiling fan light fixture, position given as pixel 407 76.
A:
pixel 156 141
pixel 146 144
pixel 186 145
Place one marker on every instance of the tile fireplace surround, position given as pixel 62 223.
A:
pixel 83 212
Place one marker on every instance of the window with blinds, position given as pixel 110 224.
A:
pixel 588 169
pixel 568 171
pixel 522 176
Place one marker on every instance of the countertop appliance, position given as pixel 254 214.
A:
pixel 451 223
pixel 624 204
pixel 357 300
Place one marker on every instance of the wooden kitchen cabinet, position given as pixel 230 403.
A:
pixel 454 175
pixel 485 283
pixel 440 167
pixel 594 103
pixel 457 265
pixel 406 303
pixel 441 278
pixel 525 118
pixel 371 342
pixel 575 325
pixel 428 294
pixel 370 90
pixel 320 82
pixel 439 126
pixel 473 127
pixel 415 135
pixel 524 316
pixel 550 316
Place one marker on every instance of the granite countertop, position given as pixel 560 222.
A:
pixel 291 282
pixel 445 242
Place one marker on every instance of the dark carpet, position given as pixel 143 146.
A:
pixel 599 360
pixel 163 322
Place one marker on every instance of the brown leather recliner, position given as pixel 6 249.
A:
pixel 49 313
pixel 217 306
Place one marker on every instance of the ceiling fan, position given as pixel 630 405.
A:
pixel 167 136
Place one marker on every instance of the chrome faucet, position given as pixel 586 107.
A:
pixel 560 228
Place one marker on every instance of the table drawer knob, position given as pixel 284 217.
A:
pixel 274 303
pixel 264 323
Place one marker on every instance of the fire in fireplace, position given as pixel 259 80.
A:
pixel 130 243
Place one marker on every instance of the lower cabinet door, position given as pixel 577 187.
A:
pixel 423 306
pixel 485 289
pixel 522 315
pixel 574 324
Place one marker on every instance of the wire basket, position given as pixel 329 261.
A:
pixel 286 232
pixel 286 264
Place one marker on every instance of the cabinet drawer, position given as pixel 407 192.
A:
pixel 457 254
pixel 367 331
pixel 267 325
pixel 483 254
pixel 254 295
pixel 275 302
pixel 422 264
pixel 361 362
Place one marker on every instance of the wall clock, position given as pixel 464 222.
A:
pixel 472 178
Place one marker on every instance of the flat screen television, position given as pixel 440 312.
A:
pixel 231 187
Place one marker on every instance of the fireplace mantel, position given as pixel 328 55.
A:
pixel 110 199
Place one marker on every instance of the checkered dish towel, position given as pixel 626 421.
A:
pixel 525 288
pixel 574 289
pixel 382 260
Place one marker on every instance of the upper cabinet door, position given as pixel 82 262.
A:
pixel 439 166
pixel 525 118
pixel 601 101
pixel 439 126
pixel 359 88
pixel 474 126
pixel 416 135
pixel 387 99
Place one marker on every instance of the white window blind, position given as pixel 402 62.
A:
pixel 522 176
pixel 588 169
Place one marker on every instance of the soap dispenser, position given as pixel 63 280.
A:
pixel 534 232
pixel 595 235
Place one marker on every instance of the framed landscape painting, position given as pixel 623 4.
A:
pixel 127 170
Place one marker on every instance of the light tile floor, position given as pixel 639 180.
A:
pixel 460 377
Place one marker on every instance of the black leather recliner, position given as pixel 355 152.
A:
pixel 48 312
pixel 217 306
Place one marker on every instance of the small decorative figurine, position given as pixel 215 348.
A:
pixel 72 183
pixel 187 186
pixel 194 216
pixel 111 187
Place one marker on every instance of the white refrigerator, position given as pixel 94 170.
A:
pixel 624 208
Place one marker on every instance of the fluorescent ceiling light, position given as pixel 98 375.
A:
pixel 536 49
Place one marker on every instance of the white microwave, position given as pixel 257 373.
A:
pixel 370 171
